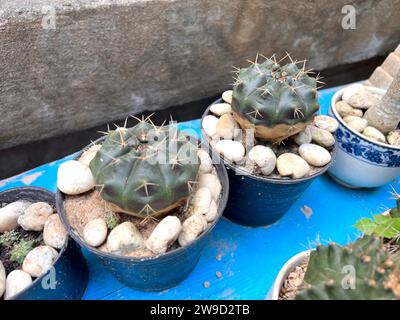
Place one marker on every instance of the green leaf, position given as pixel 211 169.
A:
pixel 366 226
pixel 389 228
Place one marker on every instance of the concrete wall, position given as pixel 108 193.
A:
pixel 107 59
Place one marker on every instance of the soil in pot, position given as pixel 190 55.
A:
pixel 293 282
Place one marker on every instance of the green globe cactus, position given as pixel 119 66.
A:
pixel 145 170
pixel 276 101
pixel 363 270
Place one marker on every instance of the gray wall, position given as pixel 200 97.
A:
pixel 107 59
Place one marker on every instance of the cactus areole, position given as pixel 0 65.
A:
pixel 145 171
pixel 276 101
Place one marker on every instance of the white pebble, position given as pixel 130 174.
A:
pixel 393 138
pixel 290 164
pixel 89 154
pixel 350 90
pixel 227 127
pixel 220 109
pixel 327 123
pixel 39 260
pixel 264 157
pixel 212 212
pixel 315 155
pixel 344 109
pixel 364 99
pixel 304 136
pixel 211 182
pixel 124 237
pixel 164 234
pixel 209 125
pixel 201 200
pixel 35 216
pixel 322 137
pixel 231 150
pixel 374 134
pixel 74 178
pixel 356 123
pixel 16 282
pixel 227 96
pixel 54 233
pixel 2 279
pixel 10 213
pixel 205 161
pixel 95 232
pixel 191 228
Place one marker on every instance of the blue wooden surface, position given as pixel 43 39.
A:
pixel 250 257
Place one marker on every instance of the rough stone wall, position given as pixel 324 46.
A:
pixel 107 59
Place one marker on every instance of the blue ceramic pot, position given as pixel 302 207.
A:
pixel 154 273
pixel 258 200
pixel 71 272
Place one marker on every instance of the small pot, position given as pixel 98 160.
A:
pixel 155 273
pixel 256 200
pixel 288 267
pixel 71 270
pixel 360 161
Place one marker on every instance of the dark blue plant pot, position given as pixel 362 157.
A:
pixel 155 273
pixel 71 272
pixel 257 200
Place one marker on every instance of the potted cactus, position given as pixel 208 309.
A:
pixel 270 136
pixel 143 200
pixel 37 259
pixel 368 136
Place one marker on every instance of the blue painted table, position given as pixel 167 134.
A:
pixel 250 258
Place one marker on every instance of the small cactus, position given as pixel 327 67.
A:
pixel 9 238
pixel 112 219
pixel 363 270
pixel 275 100
pixel 20 250
pixel 145 170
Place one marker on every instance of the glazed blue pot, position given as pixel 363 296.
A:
pixel 155 273
pixel 71 272
pixel 258 200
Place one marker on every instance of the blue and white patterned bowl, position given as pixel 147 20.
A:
pixel 361 162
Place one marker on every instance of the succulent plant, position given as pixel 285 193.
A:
pixel 362 270
pixel 112 219
pixel 21 249
pixel 275 100
pixel 145 170
pixel 8 238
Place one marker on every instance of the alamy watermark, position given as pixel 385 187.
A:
pixel 349 20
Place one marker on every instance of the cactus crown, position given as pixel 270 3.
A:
pixel 276 100
pixel 21 249
pixel 362 270
pixel 145 170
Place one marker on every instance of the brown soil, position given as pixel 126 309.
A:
pixel 293 283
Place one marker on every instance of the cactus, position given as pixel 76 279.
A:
pixel 145 170
pixel 21 249
pixel 9 238
pixel 276 101
pixel 395 212
pixel 362 270
pixel 112 219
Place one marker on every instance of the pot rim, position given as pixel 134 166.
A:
pixel 60 252
pixel 288 267
pixel 223 176
pixel 336 98
pixel 259 177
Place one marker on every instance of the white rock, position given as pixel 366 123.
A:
pixel 227 127
pixel 393 138
pixel 89 154
pixel 290 164
pixel 2 279
pixel 364 99
pixel 201 200
pixel 374 134
pixel 54 233
pixel 39 260
pixel 264 157
pixel 304 136
pixel 231 150
pixel 124 237
pixel 74 178
pixel 16 282
pixel 227 96
pixel 344 109
pixel 211 182
pixel 10 213
pixel 212 212
pixel 327 123
pixel 220 109
pixel 95 232
pixel 35 216
pixel 166 232
pixel 322 137
pixel 356 123
pixel 315 155
pixel 205 161
pixel 350 91
pixel 209 125
pixel 191 228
